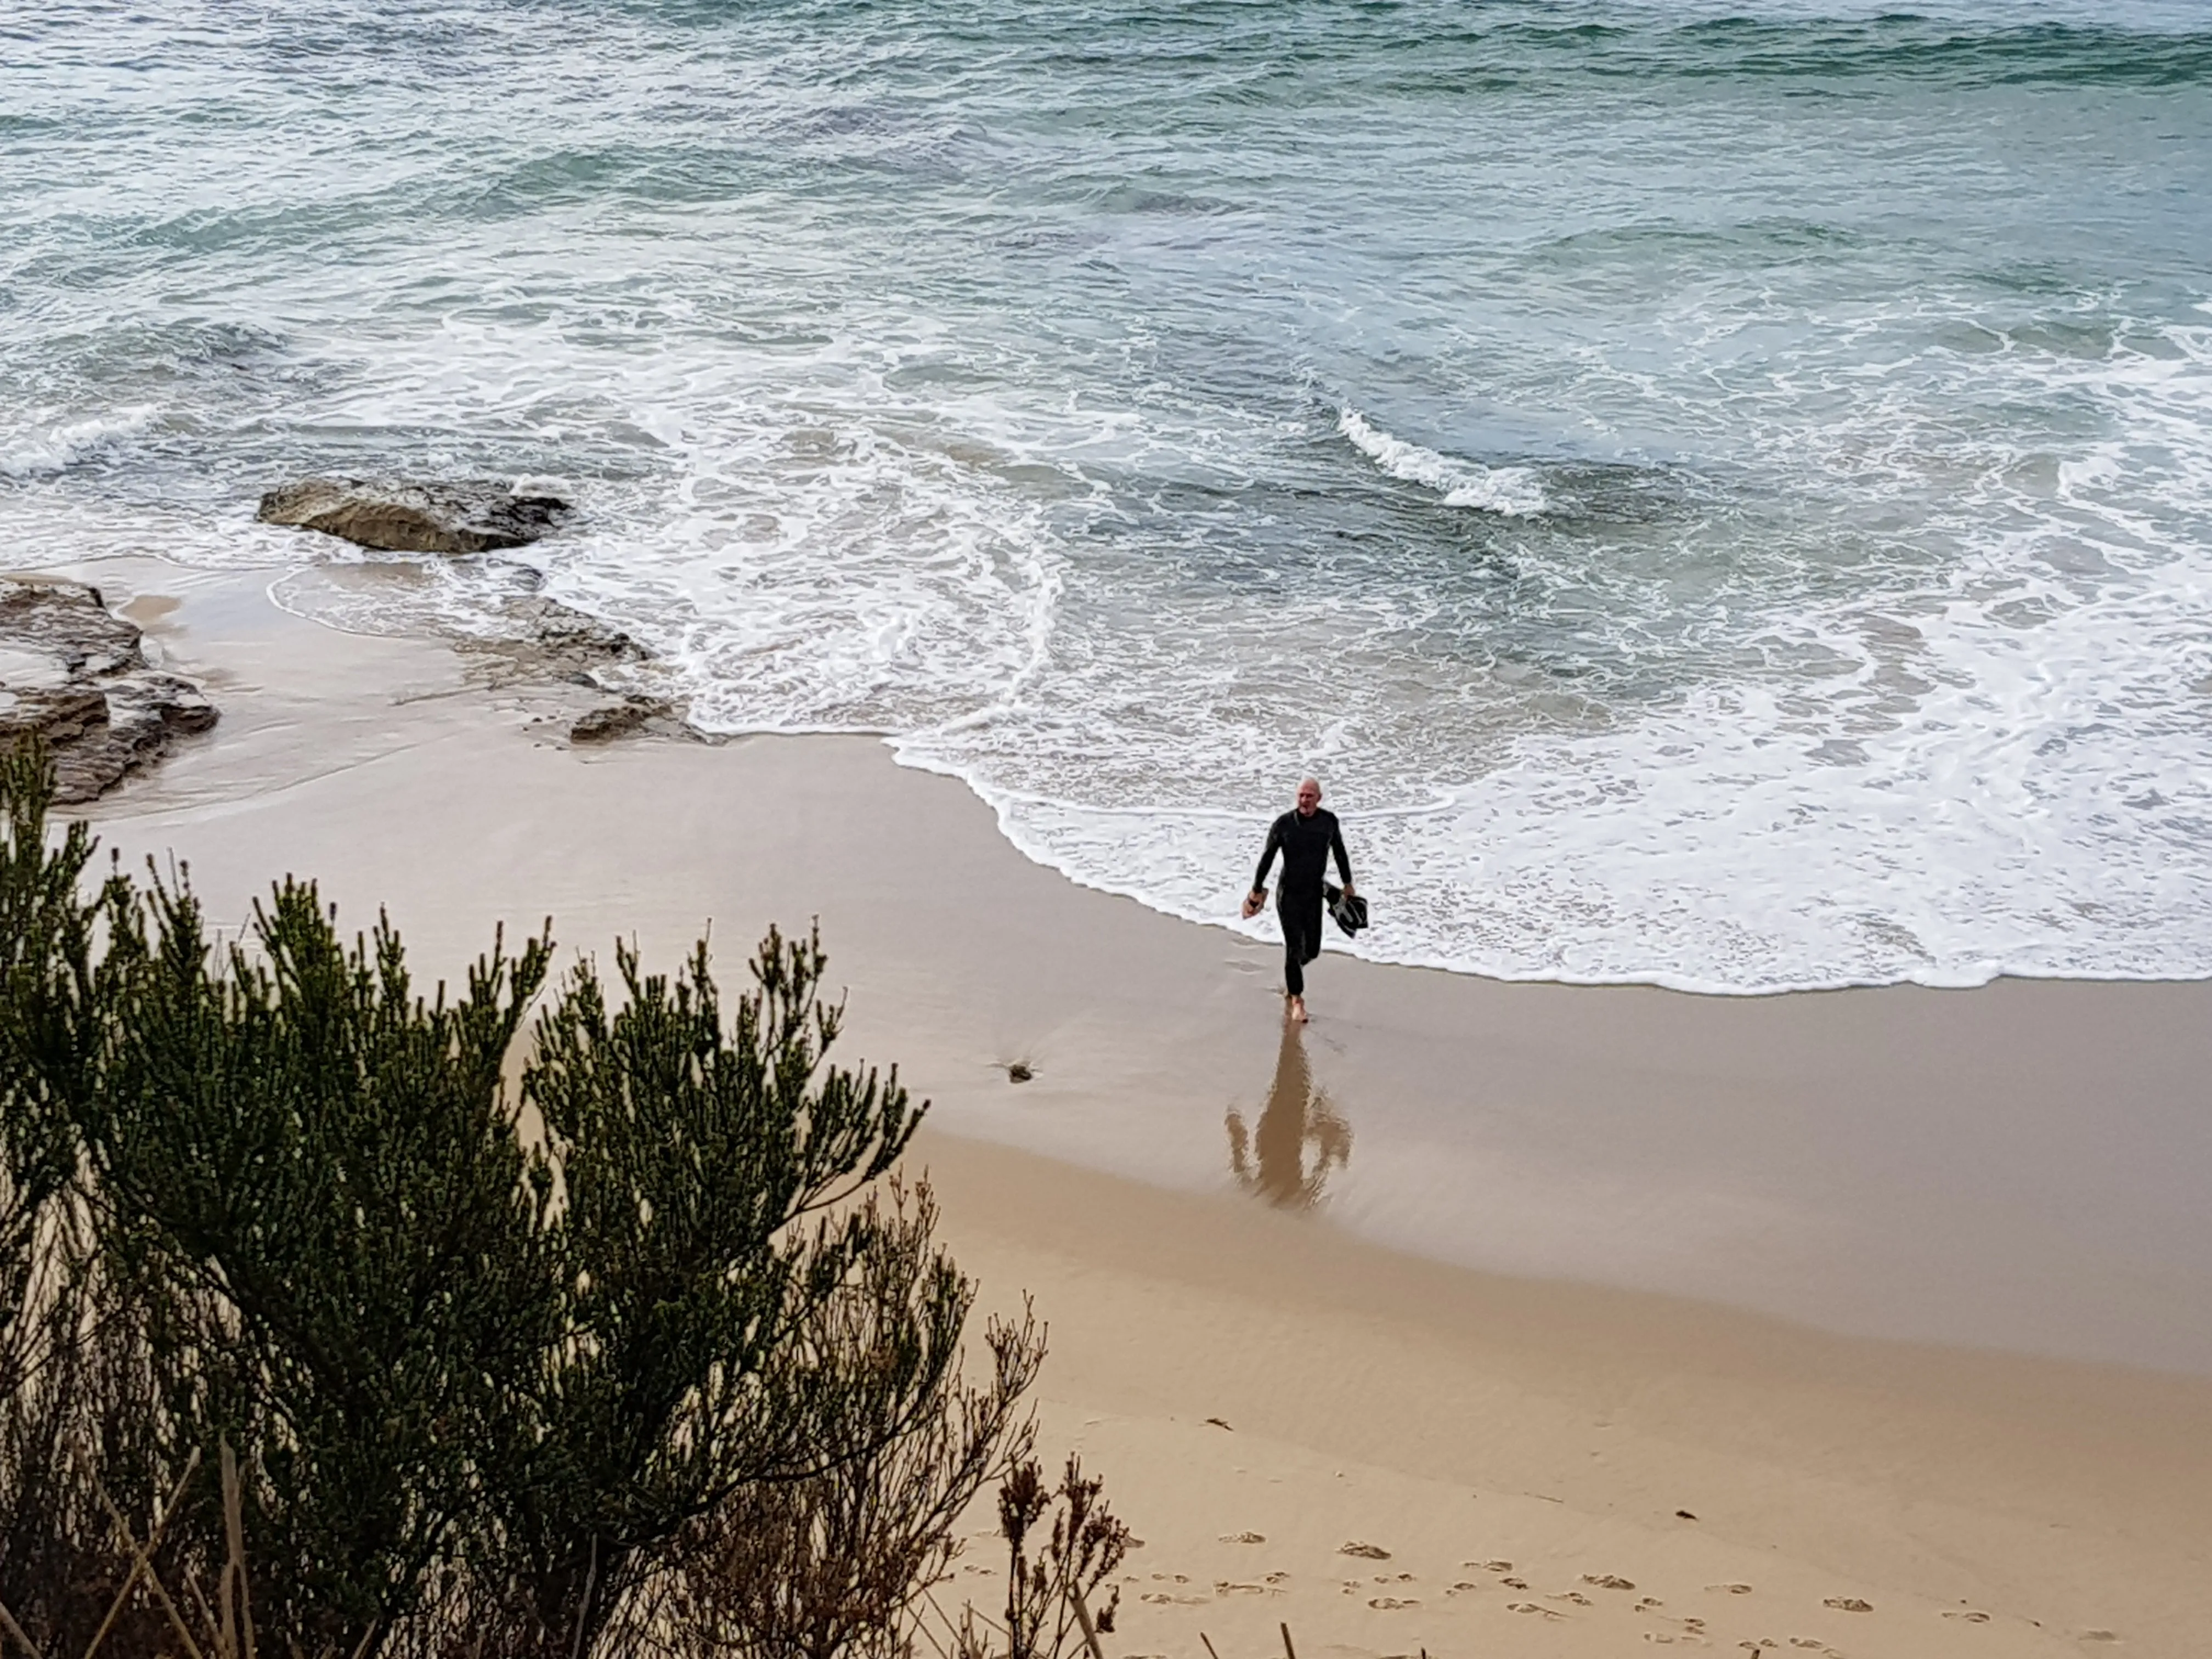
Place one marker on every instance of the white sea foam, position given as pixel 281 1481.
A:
pixel 1722 847
pixel 2001 770
pixel 40 449
pixel 1513 491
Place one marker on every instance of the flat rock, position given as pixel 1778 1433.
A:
pixel 76 676
pixel 473 515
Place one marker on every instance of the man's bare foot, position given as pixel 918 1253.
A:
pixel 1296 1012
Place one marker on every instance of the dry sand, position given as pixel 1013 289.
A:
pixel 1380 1259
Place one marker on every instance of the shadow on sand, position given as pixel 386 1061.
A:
pixel 1288 1157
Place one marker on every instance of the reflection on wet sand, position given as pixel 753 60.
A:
pixel 1271 1160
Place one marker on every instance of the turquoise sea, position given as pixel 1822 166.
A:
pixel 1722 494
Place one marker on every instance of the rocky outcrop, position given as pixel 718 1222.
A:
pixel 78 677
pixel 468 516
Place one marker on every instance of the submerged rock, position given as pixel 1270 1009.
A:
pixel 466 516
pixel 541 640
pixel 75 675
pixel 619 719
pixel 566 634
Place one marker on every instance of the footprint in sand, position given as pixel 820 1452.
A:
pixel 1464 1584
pixel 1365 1552
pixel 1225 1588
pixel 1575 1597
pixel 1731 1589
pixel 1388 1603
pixel 1490 1566
pixel 1970 1618
pixel 1515 1583
pixel 1243 1538
pixel 2099 1636
pixel 1607 1580
pixel 1648 1602
pixel 1531 1607
pixel 1848 1604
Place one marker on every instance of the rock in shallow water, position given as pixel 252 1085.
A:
pixel 78 677
pixel 619 719
pixel 467 516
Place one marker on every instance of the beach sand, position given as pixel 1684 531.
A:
pixel 1870 1322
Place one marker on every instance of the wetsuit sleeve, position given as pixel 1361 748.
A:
pixel 1336 845
pixel 1267 858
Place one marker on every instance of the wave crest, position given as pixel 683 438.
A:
pixel 1514 492
pixel 41 451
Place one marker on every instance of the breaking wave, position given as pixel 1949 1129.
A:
pixel 40 452
pixel 1512 491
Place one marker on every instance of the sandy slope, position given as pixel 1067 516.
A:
pixel 1458 1421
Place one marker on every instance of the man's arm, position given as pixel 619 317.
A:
pixel 1336 845
pixel 1267 858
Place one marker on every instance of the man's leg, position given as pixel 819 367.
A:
pixel 1301 918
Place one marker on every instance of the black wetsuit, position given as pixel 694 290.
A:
pixel 1305 844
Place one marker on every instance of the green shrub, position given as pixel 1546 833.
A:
pixel 699 1354
pixel 511 1370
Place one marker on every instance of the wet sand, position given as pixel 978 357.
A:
pixel 1475 1272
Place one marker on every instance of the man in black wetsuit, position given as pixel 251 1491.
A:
pixel 1305 837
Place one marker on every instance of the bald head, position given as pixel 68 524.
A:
pixel 1309 797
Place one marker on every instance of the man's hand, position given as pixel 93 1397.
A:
pixel 1253 901
pixel 1350 891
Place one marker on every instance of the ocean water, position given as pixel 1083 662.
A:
pixel 1721 494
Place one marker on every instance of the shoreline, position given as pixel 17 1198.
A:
pixel 1333 944
pixel 2018 1166
pixel 1578 1258
pixel 1000 805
